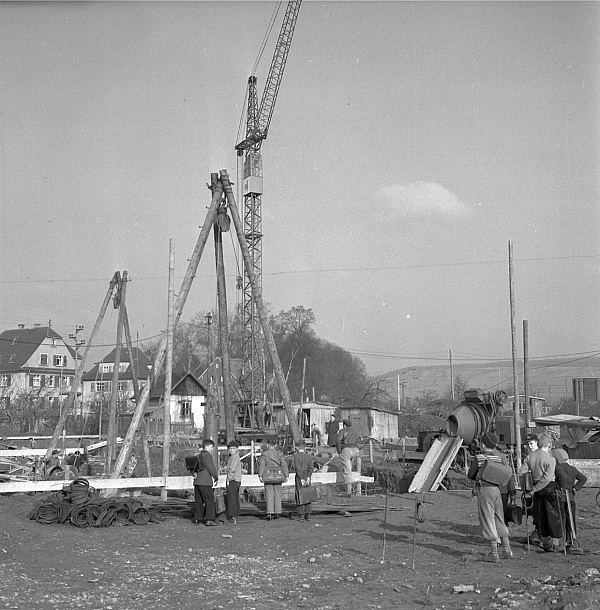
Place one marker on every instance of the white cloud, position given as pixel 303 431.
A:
pixel 422 199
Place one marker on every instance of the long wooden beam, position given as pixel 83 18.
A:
pixel 138 414
pixel 262 312
pixel 171 483
pixel 77 382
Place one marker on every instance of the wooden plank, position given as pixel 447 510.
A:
pixel 172 483
pixel 452 450
pixel 24 452
pixel 433 465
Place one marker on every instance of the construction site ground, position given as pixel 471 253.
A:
pixel 334 561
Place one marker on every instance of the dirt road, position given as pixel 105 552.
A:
pixel 330 562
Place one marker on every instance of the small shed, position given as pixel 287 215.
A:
pixel 307 414
pixel 372 422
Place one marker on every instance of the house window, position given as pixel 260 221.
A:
pixel 43 359
pixel 107 368
pixel 103 386
pixel 122 386
pixel 123 366
pixel 59 360
pixel 186 408
pixel 4 402
pixel 4 381
pixel 50 380
pixel 36 381
pixel 12 358
pixel 67 381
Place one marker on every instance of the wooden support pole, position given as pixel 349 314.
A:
pixel 77 382
pixel 358 470
pixel 526 373
pixel 513 334
pixel 138 414
pixel 384 525
pixel 262 312
pixel 168 370
pixel 136 389
pixel 223 335
pixel 111 437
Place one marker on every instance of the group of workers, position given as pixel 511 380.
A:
pixel 273 471
pixel 550 501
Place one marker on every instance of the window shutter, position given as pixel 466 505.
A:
pixel 43 381
pixel 8 382
pixel 30 379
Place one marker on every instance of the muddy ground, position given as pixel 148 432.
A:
pixel 331 562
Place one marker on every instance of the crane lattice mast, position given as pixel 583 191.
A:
pixel 257 126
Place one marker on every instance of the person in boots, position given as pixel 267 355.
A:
pixel 205 477
pixel 489 507
pixel 303 465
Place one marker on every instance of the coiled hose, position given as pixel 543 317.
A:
pixel 82 506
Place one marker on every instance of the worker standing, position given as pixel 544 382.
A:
pixel 347 447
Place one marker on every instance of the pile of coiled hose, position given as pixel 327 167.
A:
pixel 81 505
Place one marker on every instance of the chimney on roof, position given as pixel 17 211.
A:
pixel 21 325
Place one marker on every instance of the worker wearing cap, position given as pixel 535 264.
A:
pixel 234 480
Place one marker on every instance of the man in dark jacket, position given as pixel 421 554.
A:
pixel 332 431
pixel 204 478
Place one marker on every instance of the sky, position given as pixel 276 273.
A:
pixel 410 142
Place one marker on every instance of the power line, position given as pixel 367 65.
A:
pixel 323 270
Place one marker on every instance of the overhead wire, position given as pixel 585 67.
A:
pixel 328 270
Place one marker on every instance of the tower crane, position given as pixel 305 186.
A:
pixel 258 119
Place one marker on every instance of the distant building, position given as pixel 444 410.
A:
pixel 537 408
pixel 187 405
pixel 586 389
pixel 307 414
pixel 36 361
pixel 372 422
pixel 97 382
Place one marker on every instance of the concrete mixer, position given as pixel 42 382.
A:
pixel 477 415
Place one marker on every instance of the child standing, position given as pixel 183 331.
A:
pixel 303 465
pixel 234 480
pixel 205 477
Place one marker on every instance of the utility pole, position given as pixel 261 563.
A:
pixel 78 343
pixel 221 226
pixel 111 444
pixel 451 374
pixel 526 372
pixel 168 369
pixel 513 334
pixel 211 419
